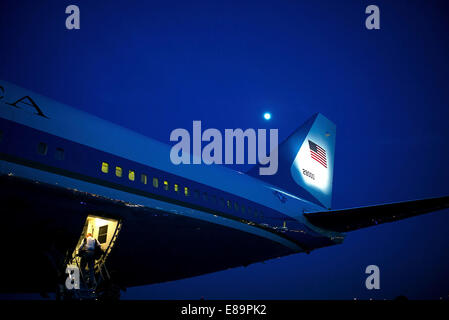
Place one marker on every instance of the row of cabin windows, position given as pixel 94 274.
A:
pixel 119 173
pixel 166 186
pixel 42 149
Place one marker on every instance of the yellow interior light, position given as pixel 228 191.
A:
pixel 104 167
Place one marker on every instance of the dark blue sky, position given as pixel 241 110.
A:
pixel 154 66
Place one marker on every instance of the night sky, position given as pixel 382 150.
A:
pixel 153 66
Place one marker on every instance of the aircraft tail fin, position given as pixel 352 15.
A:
pixel 306 162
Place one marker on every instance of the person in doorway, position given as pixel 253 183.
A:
pixel 87 253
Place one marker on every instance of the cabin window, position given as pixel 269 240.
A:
pixel 186 191
pixel 213 199
pixel 166 185
pixel 250 211
pixel 284 225
pixel 156 182
pixel 228 204
pixel 143 178
pixel 236 206
pixel 131 175
pixel 59 154
pixel 42 148
pixel 243 209
pixel 176 187
pixel 222 202
pixel 104 167
pixel 205 196
pixel 103 234
pixel 118 172
pixel 197 194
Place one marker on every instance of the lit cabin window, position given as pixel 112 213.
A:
pixel 176 187
pixel 103 234
pixel 143 178
pixel 104 167
pixel 285 224
pixel 131 175
pixel 186 191
pixel 166 185
pixel 118 172
pixel 59 154
pixel 42 148
pixel 228 204
pixel 156 182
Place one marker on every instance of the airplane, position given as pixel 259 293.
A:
pixel 64 173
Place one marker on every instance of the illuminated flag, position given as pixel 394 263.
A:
pixel 317 153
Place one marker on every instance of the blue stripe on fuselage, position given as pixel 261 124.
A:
pixel 84 163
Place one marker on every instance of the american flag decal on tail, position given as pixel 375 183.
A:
pixel 317 153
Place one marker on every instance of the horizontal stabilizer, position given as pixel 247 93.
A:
pixel 357 218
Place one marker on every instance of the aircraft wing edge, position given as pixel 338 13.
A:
pixel 357 218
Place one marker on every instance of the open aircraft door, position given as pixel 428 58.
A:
pixel 106 231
